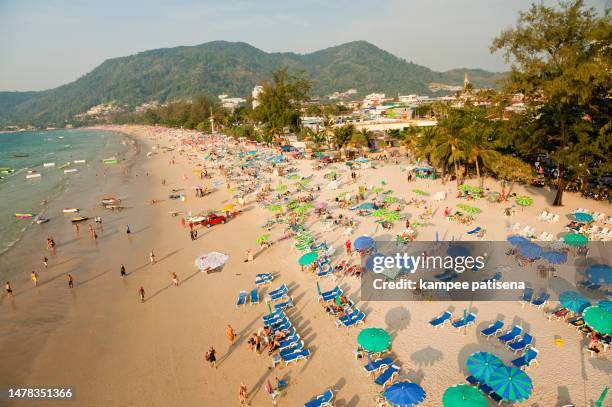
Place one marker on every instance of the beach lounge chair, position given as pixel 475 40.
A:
pixel 485 388
pixel 282 327
pixel 325 271
pixel 278 295
pixel 542 215
pixel 242 298
pixel 282 288
pixel 297 346
pixel 522 344
pixel 554 219
pixel 527 295
pixel 354 321
pixel 474 231
pixel 441 320
pixel 296 356
pixel 387 376
pixel 376 365
pixel 465 322
pixel 511 335
pixel 558 314
pixel 289 342
pixel 543 236
pixel 271 317
pixel 472 380
pixel 495 397
pixel 541 300
pixel 576 322
pixel 254 296
pixel 285 304
pixel 323 400
pixel 527 359
pixel 331 294
pixel 525 231
pixel 492 329
pixel 261 279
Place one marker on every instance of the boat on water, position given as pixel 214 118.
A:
pixel 79 219
pixel 64 165
pixel 70 170
pixel 33 175
pixel 110 201
pixel 60 136
pixel 40 220
pixel 79 161
pixel 23 215
pixel 20 155
pixel 6 170
pixel 48 165
pixel 70 210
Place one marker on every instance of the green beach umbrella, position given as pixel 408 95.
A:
pixel 377 190
pixel 374 340
pixel 464 188
pixel 391 199
pixel 418 191
pixel 263 238
pixel 599 319
pixel 301 209
pixel 274 208
pixel 511 383
pixel 293 176
pixel 575 239
pixel 524 200
pixel 469 209
pixel 379 212
pixel 281 187
pixel 307 259
pixel 463 395
pixel 392 216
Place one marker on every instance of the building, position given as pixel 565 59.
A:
pixel 230 103
pixel 257 90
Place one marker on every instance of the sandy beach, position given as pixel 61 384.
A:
pixel 111 349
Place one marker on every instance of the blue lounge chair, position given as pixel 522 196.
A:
pixel 289 341
pixel 441 320
pixel 297 346
pixel 472 380
pixel 242 298
pixel 541 300
pixel 285 326
pixel 353 321
pixel 296 356
pixel 526 297
pixel 278 295
pixel 323 400
pixel 261 279
pixel 254 296
pixel 387 376
pixel 529 357
pixel 275 315
pixel 376 365
pixel 285 304
pixel 331 294
pixel 278 322
pixel 465 322
pixel 492 329
pixel 485 388
pixel 496 397
pixel 281 289
pixel 511 335
pixel 349 316
pixel 324 272
pixel 521 344
pixel 474 231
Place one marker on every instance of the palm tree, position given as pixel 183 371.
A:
pixel 476 145
pixel 447 143
pixel 343 134
pixel 510 169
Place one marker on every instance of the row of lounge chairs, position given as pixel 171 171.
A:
pixel 446 318
pixel 323 400
pixel 485 389
pixel 539 302
pixel 292 348
pixel 253 297
pixel 384 370
pixel 548 217
pixel 349 320
pixel 511 338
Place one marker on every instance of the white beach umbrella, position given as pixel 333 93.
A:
pixel 211 261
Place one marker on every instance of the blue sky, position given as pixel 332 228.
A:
pixel 46 43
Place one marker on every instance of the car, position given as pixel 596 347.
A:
pixel 213 219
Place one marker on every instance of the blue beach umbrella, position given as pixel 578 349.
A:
pixel 573 301
pixel 363 242
pixel 554 257
pixel 599 273
pixel 482 364
pixel 366 205
pixel 405 394
pixel 530 250
pixel 511 383
pixel 583 217
pixel 516 240
pixel 457 251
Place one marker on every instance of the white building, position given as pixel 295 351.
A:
pixel 230 103
pixel 255 94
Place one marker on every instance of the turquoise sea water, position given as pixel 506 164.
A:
pixel 21 195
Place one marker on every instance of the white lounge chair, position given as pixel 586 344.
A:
pixel 554 219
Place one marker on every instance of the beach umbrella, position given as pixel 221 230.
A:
pixel 482 364
pixel 554 257
pixel 211 260
pixel 392 216
pixel 308 258
pixel 524 200
pixel 511 383
pixel 464 188
pixel 281 187
pixel 363 242
pixel 469 209
pixel 293 176
pixel 457 251
pixel 390 199
pixel 605 304
pixel 366 205
pixel 377 190
pixel 300 210
pixel 379 212
pixel 374 340
pixel 583 217
pixel 573 301
pixel 229 207
pixel 599 273
pixel 274 208
pixel 463 395
pixel 405 394
pixel 516 240
pixel 599 319
pixel 575 239
pixel 418 191
pixel 493 197
pixel 530 250
pixel 263 238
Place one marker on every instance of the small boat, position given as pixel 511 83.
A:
pixel 79 219
pixel 33 175
pixel 70 210
pixel 60 137
pixel 48 165
pixel 79 161
pixel 23 215
pixel 70 170
pixel 6 170
pixel 20 155
pixel 40 221
pixel 110 200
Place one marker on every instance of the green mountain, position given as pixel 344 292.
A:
pixel 221 67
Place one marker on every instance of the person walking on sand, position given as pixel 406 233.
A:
pixel 249 256
pixel 243 394
pixel 211 357
pixel 347 244
pixel 45 261
pixel 70 281
pixel 175 279
pixel 231 335
pixel 152 257
pixel 122 270
pixel 8 289
pixel 34 278
pixel 141 293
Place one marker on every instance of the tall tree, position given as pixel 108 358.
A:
pixel 343 134
pixel 561 61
